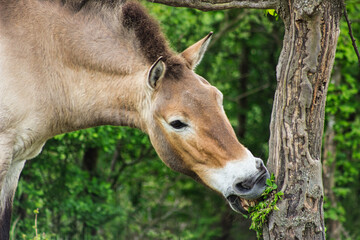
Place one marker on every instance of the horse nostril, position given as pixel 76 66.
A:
pixel 243 186
pixel 260 164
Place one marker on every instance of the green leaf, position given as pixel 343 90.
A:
pixel 269 182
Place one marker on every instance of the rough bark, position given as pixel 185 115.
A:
pixel 210 5
pixel 303 73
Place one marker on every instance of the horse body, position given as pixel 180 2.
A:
pixel 69 65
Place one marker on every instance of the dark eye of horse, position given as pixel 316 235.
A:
pixel 177 124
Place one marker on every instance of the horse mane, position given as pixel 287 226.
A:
pixel 147 30
pixel 152 40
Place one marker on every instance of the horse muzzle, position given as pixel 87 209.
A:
pixel 244 192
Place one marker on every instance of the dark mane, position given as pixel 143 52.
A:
pixel 152 41
pixel 147 30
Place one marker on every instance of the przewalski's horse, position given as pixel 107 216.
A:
pixel 69 65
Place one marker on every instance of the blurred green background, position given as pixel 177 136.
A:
pixel 108 182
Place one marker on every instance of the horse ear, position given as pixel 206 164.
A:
pixel 156 72
pixel 195 52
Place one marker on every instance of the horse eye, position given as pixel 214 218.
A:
pixel 177 124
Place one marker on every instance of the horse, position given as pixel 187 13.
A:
pixel 67 65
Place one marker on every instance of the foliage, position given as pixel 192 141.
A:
pixel 77 201
pixel 108 183
pixel 343 106
pixel 37 236
pixel 260 212
pixel 272 12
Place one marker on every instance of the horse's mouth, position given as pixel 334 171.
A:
pixel 240 205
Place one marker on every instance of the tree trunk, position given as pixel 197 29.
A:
pixel 303 73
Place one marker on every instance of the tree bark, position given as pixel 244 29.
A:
pixel 296 128
pixel 210 5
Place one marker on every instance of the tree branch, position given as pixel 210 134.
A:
pixel 252 91
pixel 351 32
pixel 248 93
pixel 227 27
pixel 210 5
pixel 144 152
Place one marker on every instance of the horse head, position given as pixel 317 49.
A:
pixel 191 133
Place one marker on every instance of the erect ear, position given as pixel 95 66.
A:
pixel 156 72
pixel 195 52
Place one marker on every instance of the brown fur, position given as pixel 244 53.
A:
pixel 147 31
pixel 152 42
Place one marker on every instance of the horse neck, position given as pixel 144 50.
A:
pixel 91 74
pixel 94 99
